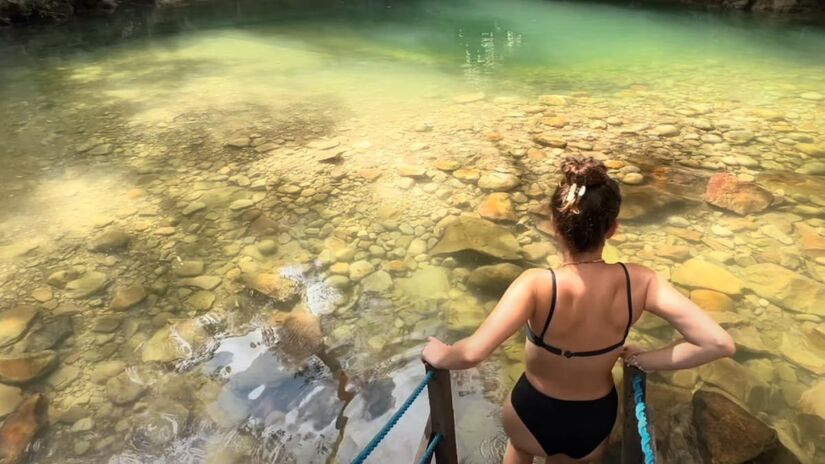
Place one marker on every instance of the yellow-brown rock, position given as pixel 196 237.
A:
pixel 711 300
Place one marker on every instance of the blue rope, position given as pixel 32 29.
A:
pixel 641 421
pixel 364 454
pixel 428 453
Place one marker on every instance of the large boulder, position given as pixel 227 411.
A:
pixel 786 288
pixel 728 434
pixel 469 233
pixel 698 273
pixel 14 323
pixel 727 192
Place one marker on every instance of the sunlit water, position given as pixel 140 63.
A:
pixel 321 144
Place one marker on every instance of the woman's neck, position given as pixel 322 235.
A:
pixel 571 257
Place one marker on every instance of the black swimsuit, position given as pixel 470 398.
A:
pixel 574 428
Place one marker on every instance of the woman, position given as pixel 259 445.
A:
pixel 577 319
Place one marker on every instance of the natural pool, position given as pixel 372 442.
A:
pixel 226 229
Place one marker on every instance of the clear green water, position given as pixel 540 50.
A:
pixel 304 140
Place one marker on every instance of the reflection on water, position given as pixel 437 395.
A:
pixel 226 229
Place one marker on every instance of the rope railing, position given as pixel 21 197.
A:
pixel 440 426
pixel 638 445
pixel 376 440
pixel 641 420
pixel 428 453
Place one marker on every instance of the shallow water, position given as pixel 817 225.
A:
pixel 244 141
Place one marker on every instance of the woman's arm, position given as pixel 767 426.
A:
pixel 511 312
pixel 704 340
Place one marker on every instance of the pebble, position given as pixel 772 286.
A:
pixel 633 178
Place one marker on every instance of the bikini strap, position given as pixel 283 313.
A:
pixel 629 302
pixel 552 307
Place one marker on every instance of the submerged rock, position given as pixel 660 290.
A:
pixel 127 296
pixel 377 282
pixel 274 286
pixel 22 368
pixel 498 181
pixel 497 207
pixel 91 283
pixel 426 283
pixel 647 203
pixel 301 336
pixel 123 390
pixel 10 398
pixel 798 351
pixel 20 429
pixel 468 233
pixel 164 421
pixel 698 273
pixel 726 191
pixel 15 322
pixel 175 342
pixel 496 277
pixel 111 240
pixel 786 288
pixel 812 407
pixel 49 334
pixel 727 432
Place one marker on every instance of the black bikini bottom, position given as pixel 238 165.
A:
pixel 574 428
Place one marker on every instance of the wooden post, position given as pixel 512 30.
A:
pixel 442 419
pixel 631 442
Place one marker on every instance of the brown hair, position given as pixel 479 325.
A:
pixel 585 204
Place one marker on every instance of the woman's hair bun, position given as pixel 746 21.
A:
pixel 587 171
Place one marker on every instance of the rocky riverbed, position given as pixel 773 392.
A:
pixel 239 268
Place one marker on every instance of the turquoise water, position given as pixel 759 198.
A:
pixel 224 219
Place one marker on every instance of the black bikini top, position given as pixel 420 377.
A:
pixel 539 339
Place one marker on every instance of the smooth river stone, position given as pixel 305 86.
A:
pixel 786 288
pixel 497 207
pixel 110 240
pixel 188 268
pixel 10 398
pixel 128 296
pixel 498 181
pixel 122 390
pixel 697 273
pixel 91 283
pixel 481 235
pixel 14 323
pixel 204 282
pixel 495 277
pixel 22 368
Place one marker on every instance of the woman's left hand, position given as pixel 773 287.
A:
pixel 434 352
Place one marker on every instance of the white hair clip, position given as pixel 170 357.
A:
pixel 581 191
pixel 571 194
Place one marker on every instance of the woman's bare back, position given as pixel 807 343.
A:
pixel 591 313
